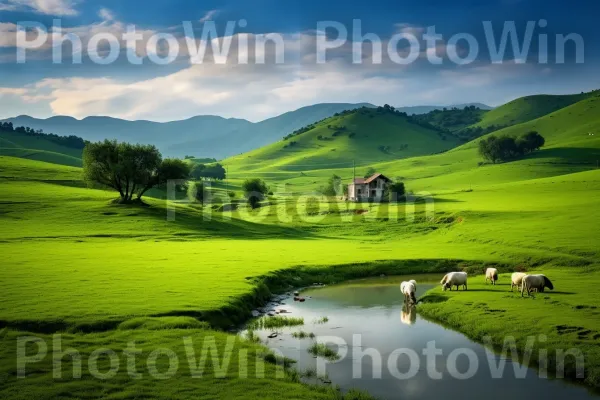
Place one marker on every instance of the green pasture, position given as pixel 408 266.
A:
pixel 76 263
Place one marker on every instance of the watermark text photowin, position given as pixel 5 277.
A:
pixel 230 44
pixel 200 358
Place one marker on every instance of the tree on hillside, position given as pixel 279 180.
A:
pixel 202 171
pixel 530 142
pixel 197 171
pixel 196 192
pixel 370 172
pixel 216 172
pixel 333 187
pixel 129 169
pixel 504 148
pixel 169 169
pixel 255 190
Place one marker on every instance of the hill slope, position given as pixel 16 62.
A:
pixel 37 148
pixel 572 145
pixel 529 108
pixel 362 136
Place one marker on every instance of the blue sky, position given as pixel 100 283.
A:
pixel 183 89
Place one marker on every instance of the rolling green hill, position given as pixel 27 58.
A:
pixel 363 136
pixel 572 145
pixel 529 108
pixel 17 144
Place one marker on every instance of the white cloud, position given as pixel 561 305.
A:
pixel 257 92
pixel 49 7
pixel 106 14
pixel 209 15
pixel 246 91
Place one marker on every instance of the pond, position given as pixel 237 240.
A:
pixel 371 330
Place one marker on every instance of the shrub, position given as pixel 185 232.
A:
pixel 370 172
pixel 255 190
pixel 396 191
pixel 196 192
pixel 333 187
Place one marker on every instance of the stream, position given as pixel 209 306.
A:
pixel 369 317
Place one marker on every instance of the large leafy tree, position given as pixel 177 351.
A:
pixel 130 169
pixel 530 142
pixel 504 148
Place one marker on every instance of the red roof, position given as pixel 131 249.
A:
pixel 377 176
pixel 363 181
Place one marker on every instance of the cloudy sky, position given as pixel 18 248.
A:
pixel 238 84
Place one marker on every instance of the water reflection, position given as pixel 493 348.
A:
pixel 408 314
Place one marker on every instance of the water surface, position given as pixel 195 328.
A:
pixel 374 310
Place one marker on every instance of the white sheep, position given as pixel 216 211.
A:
pixel 516 280
pixel 535 282
pixel 491 274
pixel 409 290
pixel 454 279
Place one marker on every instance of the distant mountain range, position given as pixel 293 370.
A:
pixel 200 136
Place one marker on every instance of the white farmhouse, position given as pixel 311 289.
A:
pixel 369 189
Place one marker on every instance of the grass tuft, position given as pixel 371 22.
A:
pixel 321 350
pixel 275 322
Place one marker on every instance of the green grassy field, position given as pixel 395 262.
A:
pixel 76 263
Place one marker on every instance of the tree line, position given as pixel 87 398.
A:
pixel 71 141
pixel 504 148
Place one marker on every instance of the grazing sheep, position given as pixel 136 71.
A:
pixel 454 279
pixel 492 275
pixel 535 282
pixel 409 289
pixel 408 315
pixel 516 280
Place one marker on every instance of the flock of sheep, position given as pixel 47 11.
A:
pixel 527 283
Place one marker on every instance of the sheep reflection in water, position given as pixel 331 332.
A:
pixel 408 314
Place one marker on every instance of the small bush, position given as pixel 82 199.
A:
pixel 255 190
pixel 196 192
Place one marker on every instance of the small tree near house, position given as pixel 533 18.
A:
pixel 395 191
